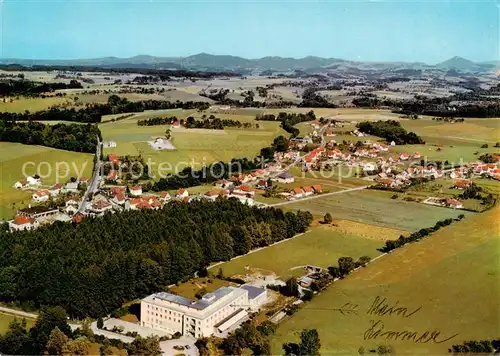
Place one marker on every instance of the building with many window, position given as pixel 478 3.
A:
pixel 215 313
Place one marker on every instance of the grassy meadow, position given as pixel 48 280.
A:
pixel 452 276
pixel 192 145
pixel 15 155
pixel 321 246
pixel 376 208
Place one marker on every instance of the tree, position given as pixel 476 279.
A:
pixel 149 346
pixel 220 273
pixel 48 319
pixel 364 260
pixel 328 218
pixel 15 341
pixel 57 342
pixel 291 288
pixel 346 265
pixel 168 134
pixel 309 342
pixel 100 323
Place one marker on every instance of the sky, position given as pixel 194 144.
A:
pixel 376 30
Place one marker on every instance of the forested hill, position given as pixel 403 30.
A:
pixel 91 268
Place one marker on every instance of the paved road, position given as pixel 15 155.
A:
pixel 96 177
pixel 318 196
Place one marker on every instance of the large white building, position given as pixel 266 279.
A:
pixel 215 313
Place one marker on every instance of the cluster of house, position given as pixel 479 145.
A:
pixel 32 217
pixel 445 202
pixel 490 170
pixel 302 192
pixel 43 195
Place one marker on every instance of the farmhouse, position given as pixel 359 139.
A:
pixel 211 195
pixel 285 178
pixel 453 203
pixel 462 184
pixel 307 191
pixel 165 196
pixel 41 196
pixel 55 190
pixel 37 212
pixel 34 180
pixel 70 187
pixel 21 184
pixel 317 188
pixel 22 222
pixel 136 191
pixel 297 192
pixel 215 313
pixel 100 206
pixel 181 194
pixel 244 190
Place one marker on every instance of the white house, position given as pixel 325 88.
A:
pixel 297 193
pixel 34 180
pixel 70 187
pixel 136 191
pixel 211 195
pixel 165 196
pixel 55 190
pixel 21 184
pixel 307 191
pixel 41 196
pixel 22 222
pixel 285 177
pixel 215 313
pixel 181 194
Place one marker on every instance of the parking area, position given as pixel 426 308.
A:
pixel 183 345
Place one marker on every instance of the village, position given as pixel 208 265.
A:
pixel 372 161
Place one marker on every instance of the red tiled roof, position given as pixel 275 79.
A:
pixel 21 220
pixel 212 193
pixel 245 188
pixel 297 191
pixel 180 191
pixel 307 189
pixel 136 187
pixel 317 188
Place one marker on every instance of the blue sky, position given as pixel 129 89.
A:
pixel 428 31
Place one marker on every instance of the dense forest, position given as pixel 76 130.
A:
pixel 391 130
pixel 73 137
pixel 93 267
pixel 93 113
pixel 288 120
pixel 29 88
pixel 421 105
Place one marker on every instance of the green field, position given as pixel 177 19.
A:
pixel 452 276
pixel 321 246
pixel 198 146
pixel 6 319
pixel 376 208
pixel 31 104
pixel 15 155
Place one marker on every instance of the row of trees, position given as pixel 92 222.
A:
pixel 416 236
pixel 73 137
pixel 93 267
pixel 288 120
pixel 391 130
pixel 156 121
pixel 214 123
pixel 33 89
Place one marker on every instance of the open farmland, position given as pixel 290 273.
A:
pixel 15 155
pixel 321 246
pixel 30 104
pixel 376 207
pixel 202 146
pixel 432 277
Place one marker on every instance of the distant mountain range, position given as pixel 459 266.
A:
pixel 205 61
